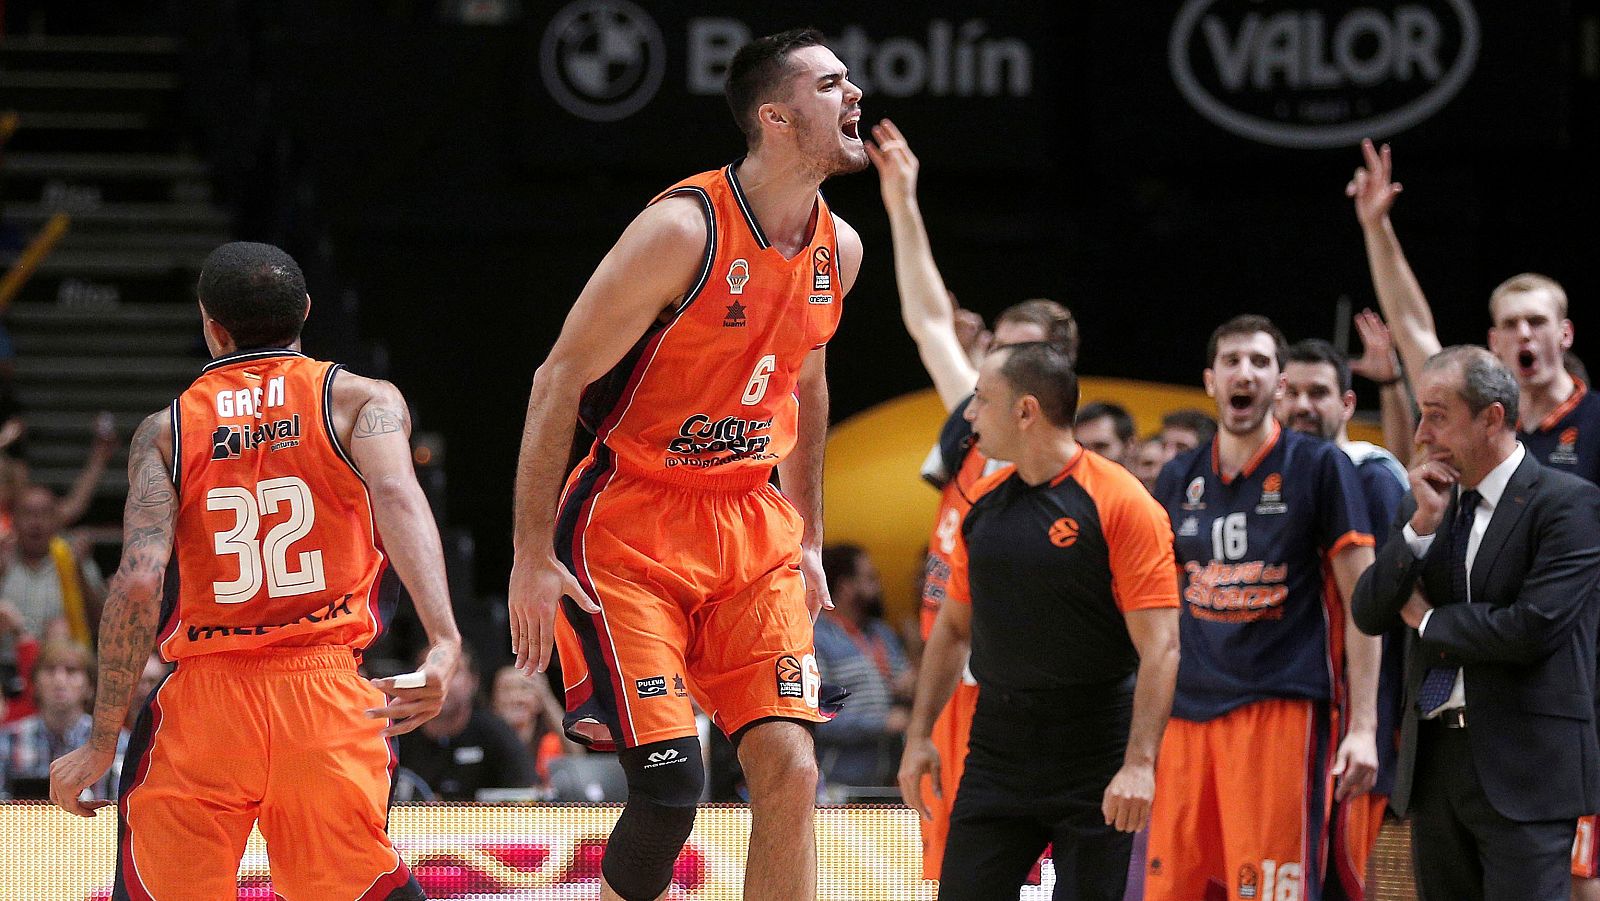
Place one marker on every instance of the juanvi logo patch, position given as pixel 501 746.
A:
pixel 1321 74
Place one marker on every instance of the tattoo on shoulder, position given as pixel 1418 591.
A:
pixel 375 420
pixel 148 482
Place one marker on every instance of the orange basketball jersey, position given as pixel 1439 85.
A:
pixel 275 542
pixel 706 396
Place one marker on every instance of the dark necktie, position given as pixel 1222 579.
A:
pixel 1439 681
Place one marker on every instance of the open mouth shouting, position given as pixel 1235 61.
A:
pixel 851 128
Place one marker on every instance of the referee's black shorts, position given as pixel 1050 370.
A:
pixel 1036 773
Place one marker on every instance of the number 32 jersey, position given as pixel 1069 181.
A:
pixel 1260 616
pixel 275 542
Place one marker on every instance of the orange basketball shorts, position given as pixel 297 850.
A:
pixel 1241 805
pixel 950 733
pixel 701 597
pixel 277 737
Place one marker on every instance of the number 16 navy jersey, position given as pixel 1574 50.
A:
pixel 1258 619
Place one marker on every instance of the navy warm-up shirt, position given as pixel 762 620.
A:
pixel 1258 614
pixel 1569 438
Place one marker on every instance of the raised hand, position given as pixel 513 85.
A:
pixel 1372 187
pixel 1378 361
pixel 897 165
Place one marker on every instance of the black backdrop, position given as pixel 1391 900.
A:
pixel 1064 155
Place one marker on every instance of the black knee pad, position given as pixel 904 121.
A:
pixel 665 779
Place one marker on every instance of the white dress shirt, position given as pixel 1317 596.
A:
pixel 1489 490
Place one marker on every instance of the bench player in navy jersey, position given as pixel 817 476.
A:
pixel 1318 400
pixel 1264 520
pixel 1530 332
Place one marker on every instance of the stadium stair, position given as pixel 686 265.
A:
pixel 108 320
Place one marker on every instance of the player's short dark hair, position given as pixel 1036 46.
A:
pixel 256 292
pixel 758 71
pixel 1484 379
pixel 841 561
pixel 1044 370
pixel 1316 350
pixel 1191 420
pixel 1121 422
pixel 1246 324
pixel 1056 320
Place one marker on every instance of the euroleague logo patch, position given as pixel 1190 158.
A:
pixel 791 678
pixel 1064 532
pixel 822 269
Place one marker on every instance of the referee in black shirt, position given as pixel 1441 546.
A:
pixel 1066 565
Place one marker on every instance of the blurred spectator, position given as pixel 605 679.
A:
pixel 18 652
pixel 527 705
pixel 1148 460
pixel 45 577
pixel 155 669
pixel 858 651
pixel 14 469
pixel 62 686
pixel 466 748
pixel 1185 430
pixel 1108 430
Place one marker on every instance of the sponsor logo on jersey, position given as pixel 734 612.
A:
pixel 1236 592
pixel 1193 494
pixel 738 274
pixel 822 269
pixel 1566 452
pixel 678 688
pixel 700 434
pixel 735 317
pixel 333 610
pixel 819 299
pixel 791 678
pixel 1190 527
pixel 1064 532
pixel 1272 496
pixel 229 442
pixel 653 687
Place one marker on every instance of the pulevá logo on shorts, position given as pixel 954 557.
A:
pixel 653 687
pixel 791 678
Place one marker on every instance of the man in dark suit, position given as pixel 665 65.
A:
pixel 1495 561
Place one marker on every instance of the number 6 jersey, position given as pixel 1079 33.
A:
pixel 275 542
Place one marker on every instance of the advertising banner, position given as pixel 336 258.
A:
pixel 547 852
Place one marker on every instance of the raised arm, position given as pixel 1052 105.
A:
pixel 1399 294
pixel 1381 364
pixel 104 445
pixel 925 303
pixel 132 611
pixel 649 270
pixel 371 419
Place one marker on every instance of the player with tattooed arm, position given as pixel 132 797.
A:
pixel 276 504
